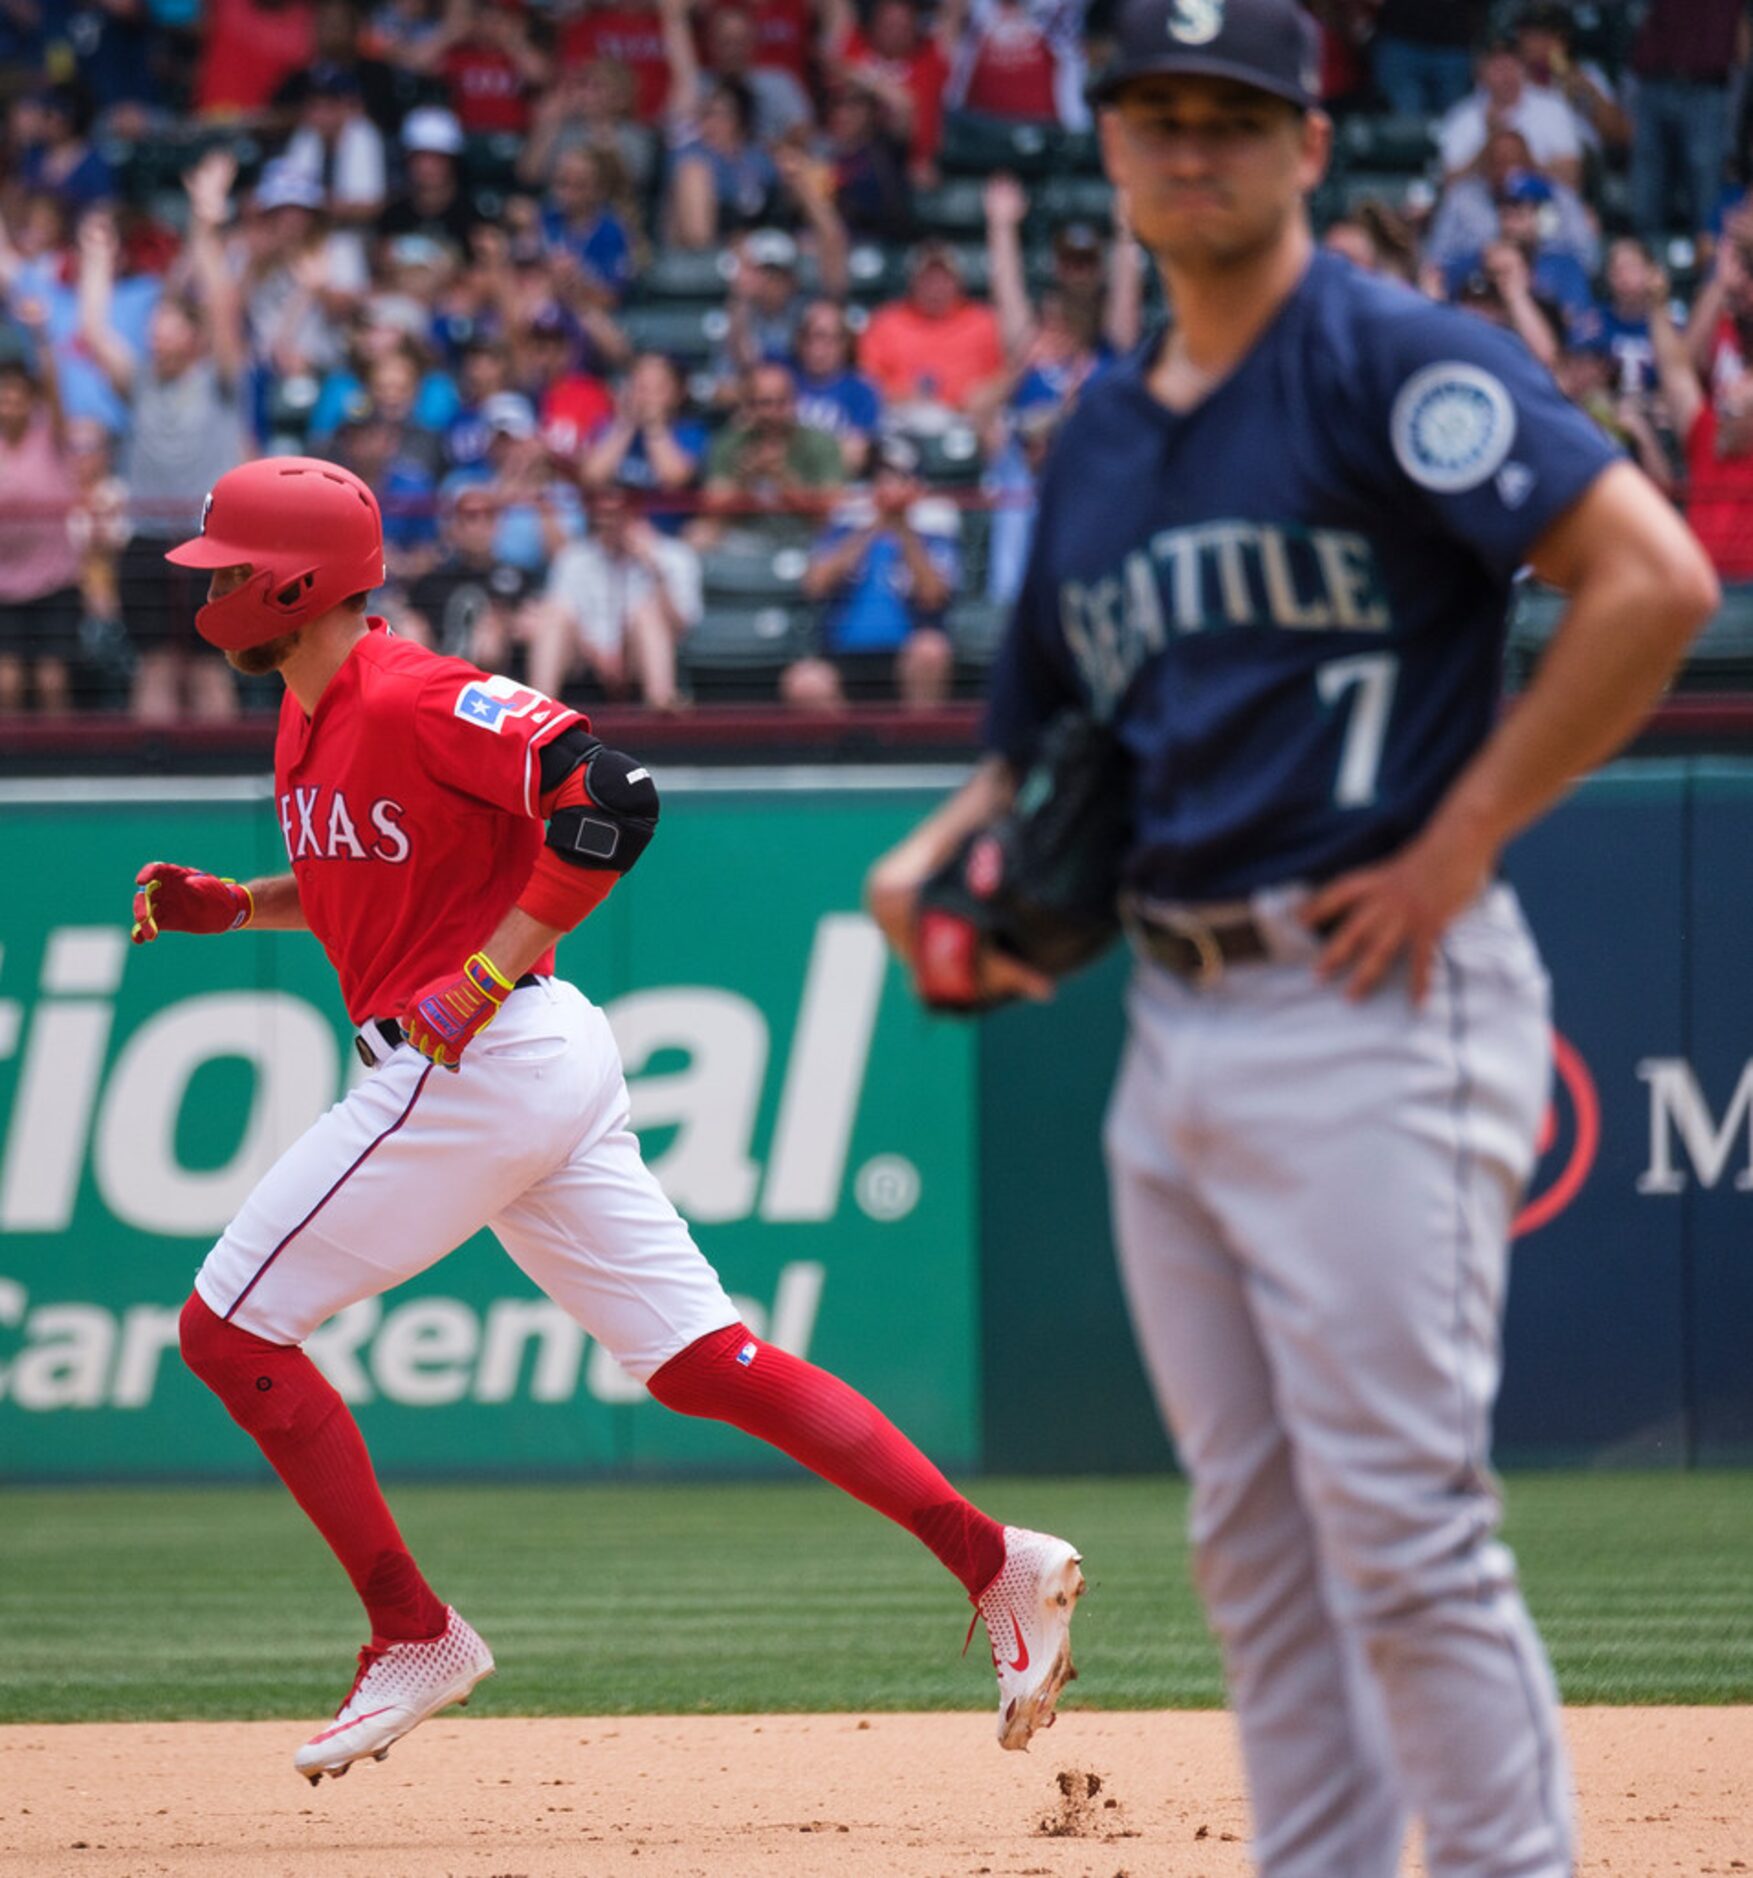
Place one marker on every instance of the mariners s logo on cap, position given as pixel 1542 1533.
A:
pixel 1196 22
pixel 1452 426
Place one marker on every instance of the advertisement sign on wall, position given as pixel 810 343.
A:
pixel 813 1128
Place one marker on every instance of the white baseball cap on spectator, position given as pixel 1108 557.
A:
pixel 285 185
pixel 416 250
pixel 400 310
pixel 430 127
pixel 511 414
pixel 770 247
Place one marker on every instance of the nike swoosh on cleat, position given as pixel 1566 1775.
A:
pixel 342 1727
pixel 1022 1661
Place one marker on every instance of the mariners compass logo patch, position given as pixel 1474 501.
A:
pixel 1452 426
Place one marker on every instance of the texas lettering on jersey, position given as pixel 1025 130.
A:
pixel 410 756
pixel 319 825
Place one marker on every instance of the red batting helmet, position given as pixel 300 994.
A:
pixel 310 532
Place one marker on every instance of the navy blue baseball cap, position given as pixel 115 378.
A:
pixel 1272 45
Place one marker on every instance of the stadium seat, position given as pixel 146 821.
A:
pixel 949 456
pixel 741 575
pixel 956 207
pixel 739 651
pixel 685 274
pixel 976 628
pixel 1721 657
pixel 1076 199
pixel 1400 145
pixel 976 146
pixel 878 273
pixel 490 159
pixel 689 334
pixel 976 543
pixel 1351 187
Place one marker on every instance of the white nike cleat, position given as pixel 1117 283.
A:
pixel 1028 1609
pixel 399 1685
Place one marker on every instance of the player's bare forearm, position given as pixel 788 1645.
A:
pixel 277 905
pixel 1640 589
pixel 518 941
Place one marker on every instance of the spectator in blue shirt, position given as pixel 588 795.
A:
pixel 1554 273
pixel 1625 322
pixel 831 395
pixel 579 225
pixel 883 571
pixel 1012 486
pixel 647 447
pixel 52 127
pixel 483 369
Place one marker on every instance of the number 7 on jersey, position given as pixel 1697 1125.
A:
pixel 1369 676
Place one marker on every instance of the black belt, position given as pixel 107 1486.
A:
pixel 391 1032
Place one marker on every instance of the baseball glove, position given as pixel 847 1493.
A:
pixel 1041 882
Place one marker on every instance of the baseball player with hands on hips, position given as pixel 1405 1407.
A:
pixel 445 828
pixel 1273 554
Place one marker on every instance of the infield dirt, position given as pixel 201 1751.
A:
pixel 1104 1795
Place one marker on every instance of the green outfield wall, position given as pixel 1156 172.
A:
pixel 814 1127
pixel 916 1202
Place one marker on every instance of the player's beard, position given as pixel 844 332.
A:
pixel 258 661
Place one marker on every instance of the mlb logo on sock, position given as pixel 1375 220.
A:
pixel 746 1355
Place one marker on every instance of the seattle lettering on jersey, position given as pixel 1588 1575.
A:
pixel 1214 574
pixel 319 831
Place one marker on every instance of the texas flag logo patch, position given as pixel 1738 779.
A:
pixel 746 1355
pixel 490 701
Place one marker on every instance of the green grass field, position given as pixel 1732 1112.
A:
pixel 130 1604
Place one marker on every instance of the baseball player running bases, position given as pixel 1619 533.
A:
pixel 445 828
pixel 1274 551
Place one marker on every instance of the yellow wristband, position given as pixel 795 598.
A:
pixel 249 903
pixel 486 964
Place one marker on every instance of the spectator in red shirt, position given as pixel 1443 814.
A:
pixel 1715 426
pixel 904 69
pixel 785 33
pixel 936 346
pixel 1017 59
pixel 248 50
pixel 631 35
pixel 484 53
pixel 571 405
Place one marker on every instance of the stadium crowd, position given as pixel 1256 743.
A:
pixel 695 347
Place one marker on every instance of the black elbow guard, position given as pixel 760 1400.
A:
pixel 611 826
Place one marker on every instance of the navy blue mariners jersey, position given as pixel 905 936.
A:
pixel 1290 601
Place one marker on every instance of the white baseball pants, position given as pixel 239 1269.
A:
pixel 529 1137
pixel 1313 1201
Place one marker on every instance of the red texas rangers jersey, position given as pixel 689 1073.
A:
pixel 410 805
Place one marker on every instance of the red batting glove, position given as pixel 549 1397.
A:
pixel 444 1017
pixel 169 898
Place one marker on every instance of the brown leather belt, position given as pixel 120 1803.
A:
pixel 1197 949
